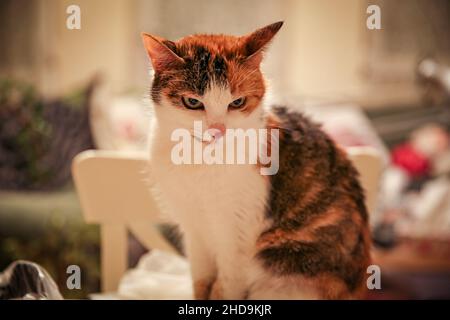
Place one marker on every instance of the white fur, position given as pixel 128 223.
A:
pixel 219 208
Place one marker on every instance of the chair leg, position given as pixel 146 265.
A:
pixel 113 255
pixel 150 237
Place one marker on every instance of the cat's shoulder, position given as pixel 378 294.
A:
pixel 296 127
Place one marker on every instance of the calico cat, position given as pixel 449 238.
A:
pixel 301 233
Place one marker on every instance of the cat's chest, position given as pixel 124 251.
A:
pixel 213 187
pixel 225 199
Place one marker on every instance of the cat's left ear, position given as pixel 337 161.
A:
pixel 160 54
pixel 256 42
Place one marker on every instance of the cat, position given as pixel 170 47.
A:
pixel 301 233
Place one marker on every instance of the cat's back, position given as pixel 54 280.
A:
pixel 319 220
pixel 310 163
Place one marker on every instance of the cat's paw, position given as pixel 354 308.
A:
pixel 216 291
pixel 202 289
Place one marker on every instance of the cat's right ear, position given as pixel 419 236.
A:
pixel 256 42
pixel 161 55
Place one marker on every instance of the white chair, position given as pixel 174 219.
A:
pixel 114 193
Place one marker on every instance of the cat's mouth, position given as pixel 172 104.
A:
pixel 201 139
pixel 205 139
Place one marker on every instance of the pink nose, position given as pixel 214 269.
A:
pixel 216 130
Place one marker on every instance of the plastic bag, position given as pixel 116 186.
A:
pixel 158 275
pixel 26 280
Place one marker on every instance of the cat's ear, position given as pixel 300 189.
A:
pixel 160 54
pixel 256 42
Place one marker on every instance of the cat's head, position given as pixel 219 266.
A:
pixel 215 79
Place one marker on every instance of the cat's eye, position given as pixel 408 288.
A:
pixel 238 103
pixel 192 103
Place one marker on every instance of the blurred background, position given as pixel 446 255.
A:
pixel 64 91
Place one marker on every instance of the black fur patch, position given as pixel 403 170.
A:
pixel 201 69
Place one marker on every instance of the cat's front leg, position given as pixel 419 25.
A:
pixel 203 267
pixel 216 290
pixel 231 282
pixel 202 289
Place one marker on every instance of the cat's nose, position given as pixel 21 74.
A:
pixel 216 130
